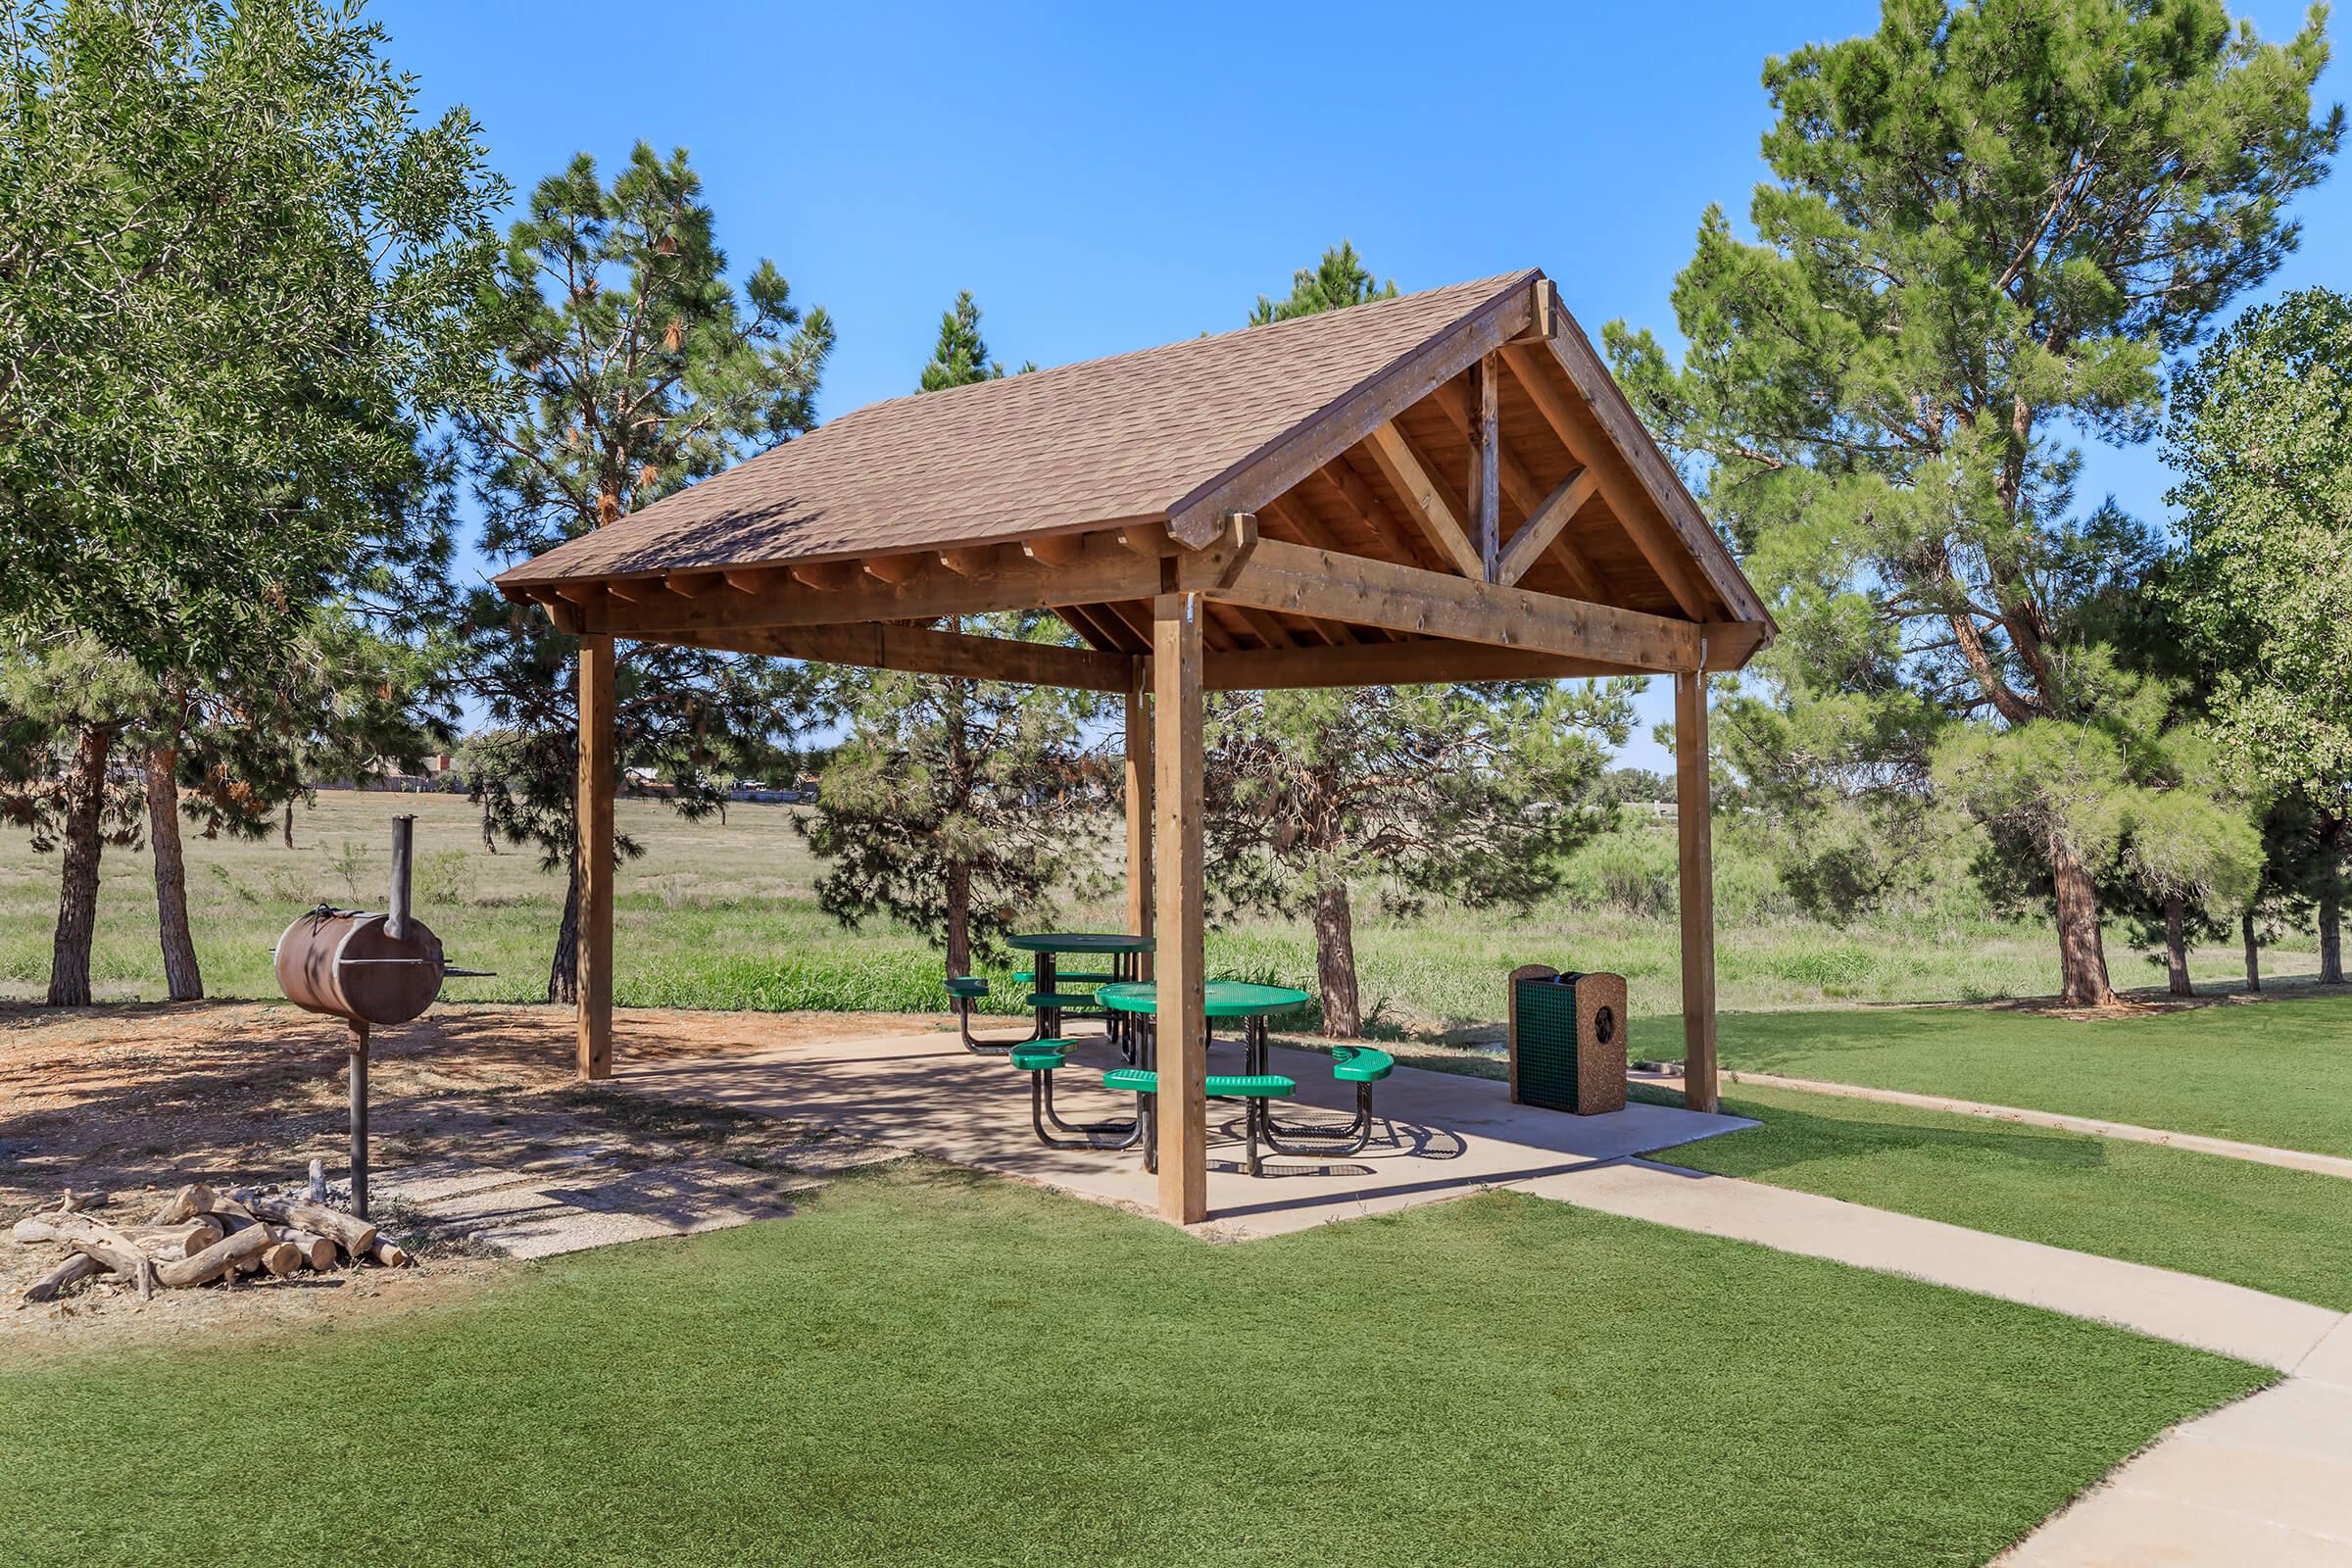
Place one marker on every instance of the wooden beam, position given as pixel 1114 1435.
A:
pixel 1107 633
pixel 1695 832
pixel 1401 541
pixel 988 586
pixel 1605 400
pixel 1269 630
pixel 1056 549
pixel 895 569
pixel 978 561
pixel 1290 458
pixel 1374 593
pixel 1591 446
pixel 1527 495
pixel 594 805
pixel 1424 500
pixel 1417 661
pixel 1139 805
pixel 757 581
pixel 922 651
pixel 1182 1057
pixel 1543 527
pixel 1486 465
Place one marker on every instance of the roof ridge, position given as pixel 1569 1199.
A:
pixel 1321 320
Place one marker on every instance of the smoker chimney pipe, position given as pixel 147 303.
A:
pixel 396 920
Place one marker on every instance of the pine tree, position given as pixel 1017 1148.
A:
pixel 951 804
pixel 639 368
pixel 1340 279
pixel 1989 221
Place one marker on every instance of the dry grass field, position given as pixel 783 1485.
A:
pixel 722 914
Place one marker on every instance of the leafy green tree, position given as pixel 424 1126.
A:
pixel 1988 224
pixel 952 804
pixel 91 745
pixel 1469 793
pixel 639 369
pixel 233 264
pixel 2260 435
pixel 1340 279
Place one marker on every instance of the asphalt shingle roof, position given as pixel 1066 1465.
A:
pixel 1104 441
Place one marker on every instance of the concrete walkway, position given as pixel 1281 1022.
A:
pixel 2196 1142
pixel 2184 1308
pixel 2267 1480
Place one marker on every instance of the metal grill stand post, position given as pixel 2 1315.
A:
pixel 359 1118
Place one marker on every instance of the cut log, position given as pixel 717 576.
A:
pixel 316 1251
pixel 281 1258
pixel 214 1260
pixel 391 1255
pixel 348 1231
pixel 95 1240
pixel 186 1203
pixel 177 1241
pixel 76 1268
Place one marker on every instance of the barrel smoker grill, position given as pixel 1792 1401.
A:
pixel 366 968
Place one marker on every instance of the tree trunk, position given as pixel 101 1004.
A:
pixel 2336 838
pixel 1335 963
pixel 959 919
pixel 2245 928
pixel 564 971
pixel 183 981
pixel 2176 948
pixel 77 899
pixel 2082 948
pixel 2331 931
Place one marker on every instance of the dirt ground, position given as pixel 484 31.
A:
pixel 125 1103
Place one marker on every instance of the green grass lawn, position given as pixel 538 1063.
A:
pixel 2278 1072
pixel 2287 1231
pixel 927 1366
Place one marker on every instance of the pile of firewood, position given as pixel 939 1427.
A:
pixel 200 1235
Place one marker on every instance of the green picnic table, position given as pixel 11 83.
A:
pixel 1048 999
pixel 1219 999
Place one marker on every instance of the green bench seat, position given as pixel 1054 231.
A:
pixel 1028 977
pixel 966 987
pixel 1233 1086
pixel 1360 1064
pixel 1060 999
pixel 1041 1056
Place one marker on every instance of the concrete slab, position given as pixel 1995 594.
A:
pixel 1441 1133
pixel 524 1215
pixel 2184 1308
pixel 2330 1360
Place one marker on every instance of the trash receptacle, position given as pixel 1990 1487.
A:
pixel 1567 1040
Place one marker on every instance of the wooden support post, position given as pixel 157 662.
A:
pixel 1485 464
pixel 595 822
pixel 1139 807
pixel 1694 827
pixel 1183 1056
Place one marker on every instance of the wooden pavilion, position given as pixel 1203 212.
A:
pixel 1445 486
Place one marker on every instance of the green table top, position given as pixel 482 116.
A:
pixel 1220 998
pixel 1079 942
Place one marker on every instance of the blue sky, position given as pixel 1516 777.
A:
pixel 1109 177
